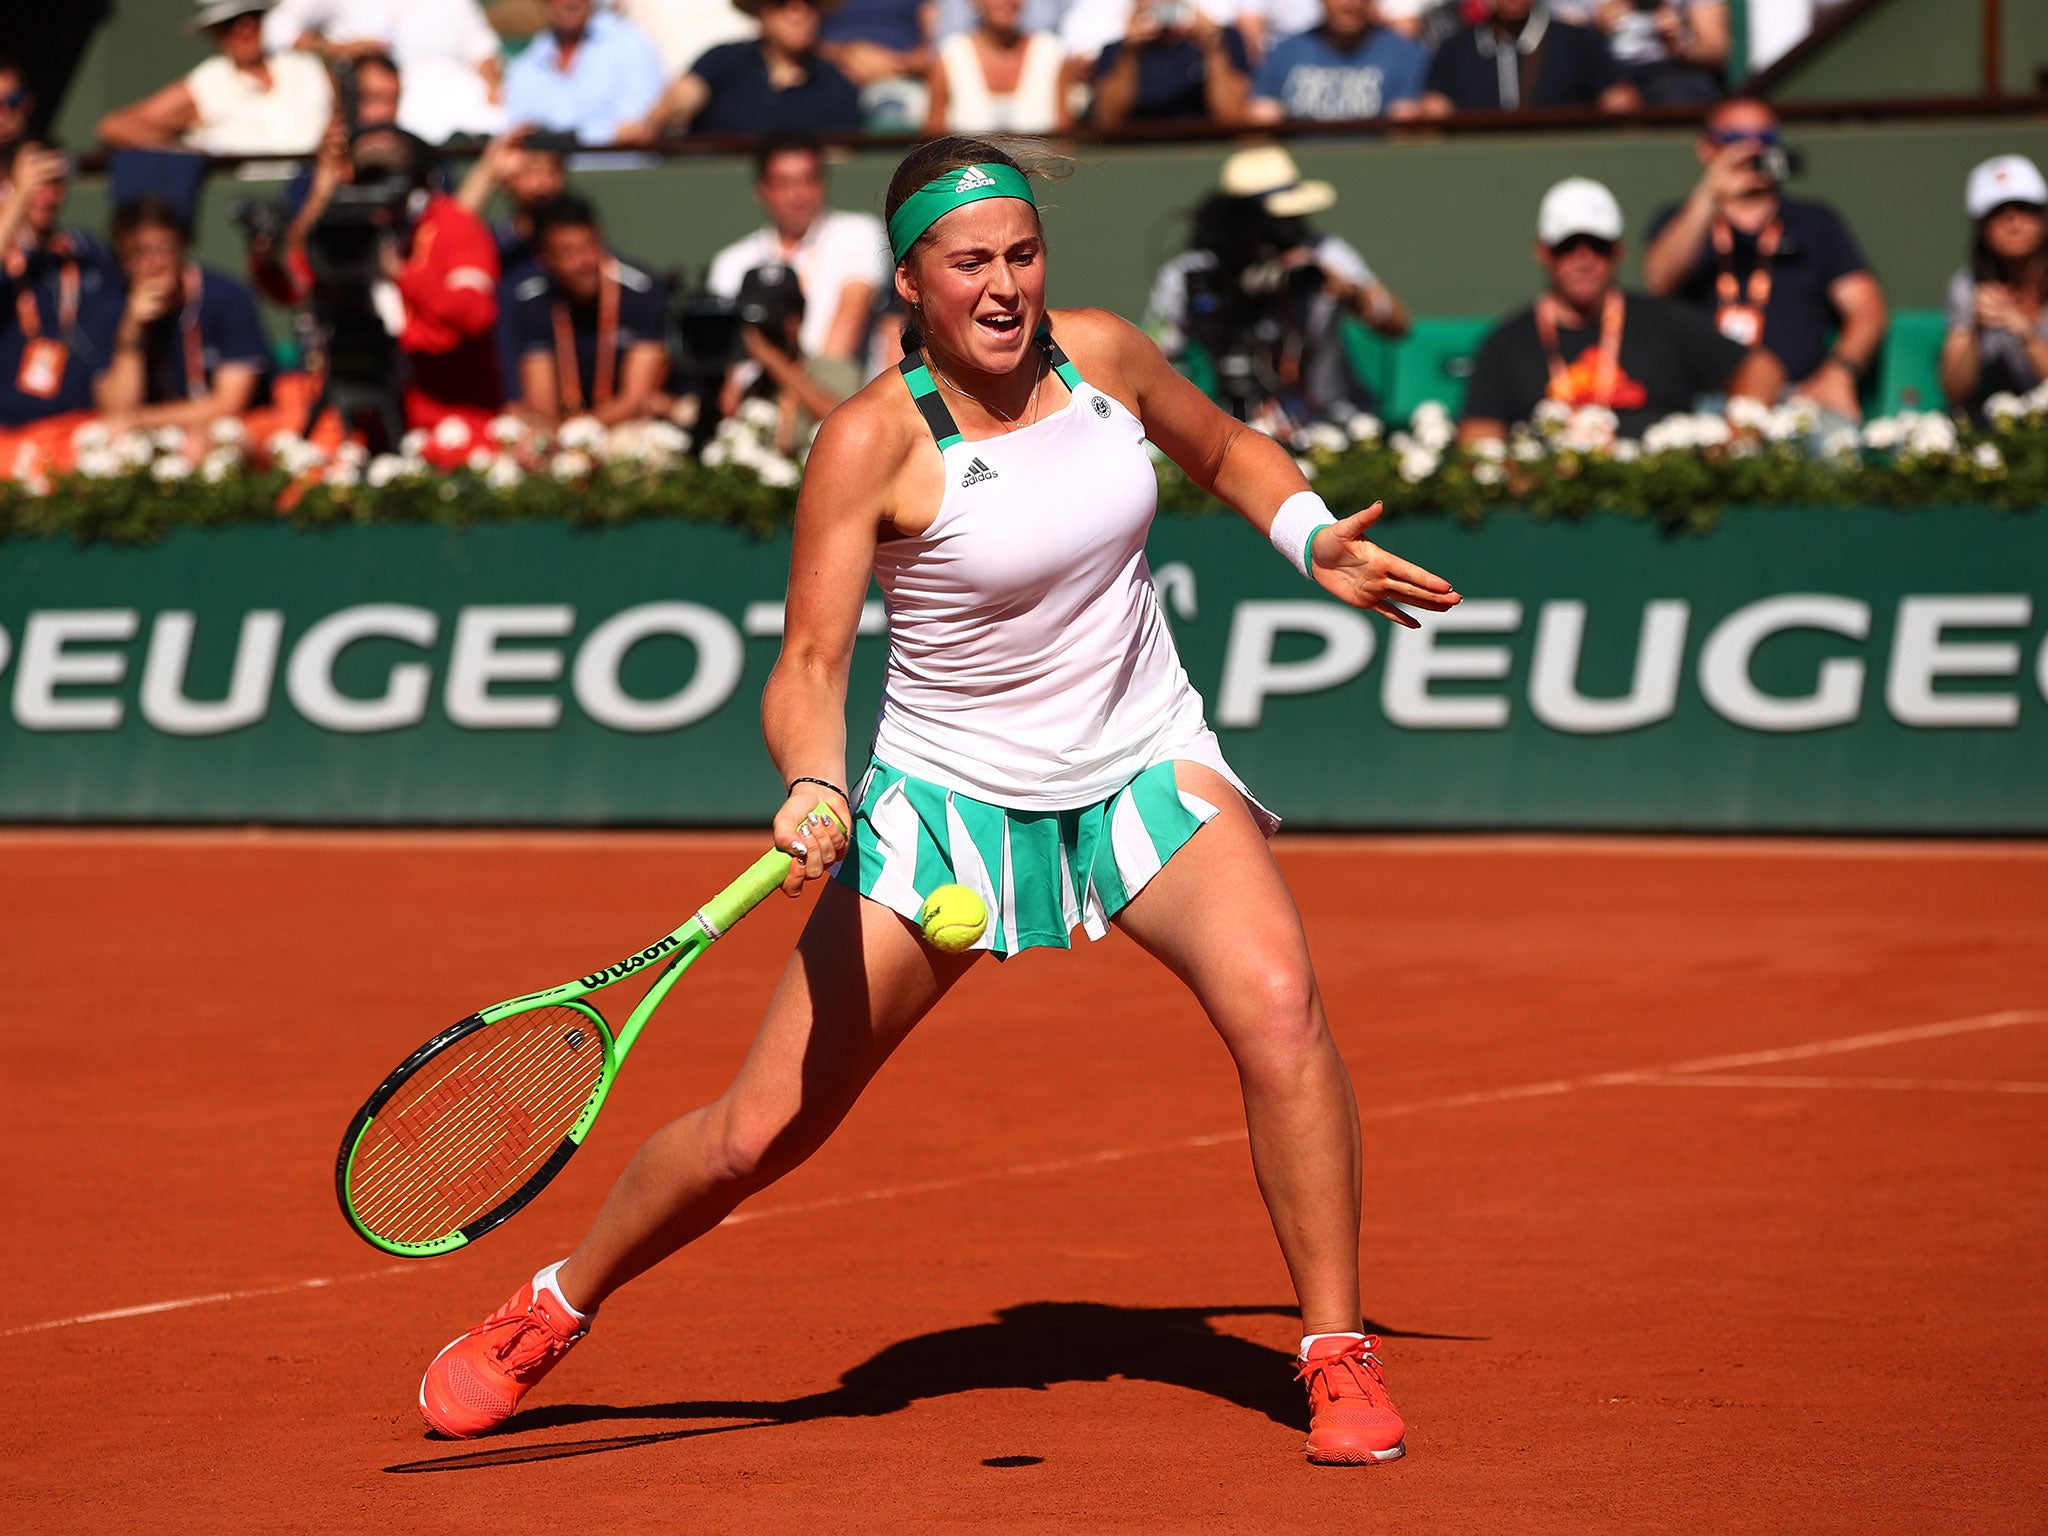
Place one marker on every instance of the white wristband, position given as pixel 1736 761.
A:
pixel 1300 518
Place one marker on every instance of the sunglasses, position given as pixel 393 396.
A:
pixel 1726 136
pixel 1602 248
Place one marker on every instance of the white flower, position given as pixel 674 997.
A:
pixel 1432 427
pixel 2001 408
pixel 1749 415
pixel 135 449
pixel 778 473
pixel 384 469
pixel 227 431
pixel 299 457
pixel 571 464
pixel 353 454
pixel 715 454
pixel 1307 468
pixel 503 474
pixel 219 463
pixel 451 434
pixel 168 439
pixel 1709 430
pixel 1885 433
pixel 1490 448
pixel 1931 433
pixel 343 472
pixel 505 429
pixel 99 464
pixel 1418 464
pixel 1320 436
pixel 447 491
pixel 93 434
pixel 1525 449
pixel 479 459
pixel 1626 450
pixel 761 415
pixel 1590 428
pixel 1671 435
pixel 1364 428
pixel 1550 413
pixel 1987 457
pixel 171 469
pixel 1489 472
pixel 414 443
pixel 1842 443
pixel 584 434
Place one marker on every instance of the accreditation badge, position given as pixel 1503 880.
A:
pixel 1742 324
pixel 42 367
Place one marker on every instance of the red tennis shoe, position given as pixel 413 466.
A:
pixel 475 1384
pixel 1352 1421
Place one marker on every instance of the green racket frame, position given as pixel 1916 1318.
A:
pixel 674 953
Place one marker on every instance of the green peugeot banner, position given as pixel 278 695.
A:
pixel 1846 670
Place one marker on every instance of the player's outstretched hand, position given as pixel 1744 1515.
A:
pixel 1349 565
pixel 814 841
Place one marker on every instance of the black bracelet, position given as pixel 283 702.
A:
pixel 805 778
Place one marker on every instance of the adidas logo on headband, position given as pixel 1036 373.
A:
pixel 971 178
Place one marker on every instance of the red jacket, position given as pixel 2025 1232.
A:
pixel 450 288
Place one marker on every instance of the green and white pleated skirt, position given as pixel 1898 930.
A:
pixel 1041 873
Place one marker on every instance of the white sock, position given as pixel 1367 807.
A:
pixel 1307 1339
pixel 545 1281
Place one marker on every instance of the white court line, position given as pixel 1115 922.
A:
pixel 202 1301
pixel 1646 1075
pixel 1347 844
pixel 1893 1084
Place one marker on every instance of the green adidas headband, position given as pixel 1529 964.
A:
pixel 956 189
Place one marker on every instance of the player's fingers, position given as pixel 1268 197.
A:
pixel 1354 526
pixel 1405 620
pixel 1398 569
pixel 1421 597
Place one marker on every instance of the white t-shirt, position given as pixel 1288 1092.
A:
pixel 237 116
pixel 839 248
pixel 439 47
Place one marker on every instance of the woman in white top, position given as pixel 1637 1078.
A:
pixel 998 78
pixel 1039 742
pixel 243 101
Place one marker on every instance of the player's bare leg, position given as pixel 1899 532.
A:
pixel 859 980
pixel 1220 917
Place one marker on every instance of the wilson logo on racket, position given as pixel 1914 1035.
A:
pixel 631 963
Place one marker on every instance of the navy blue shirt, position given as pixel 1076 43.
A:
pixel 889 23
pixel 1170 74
pixel 41 280
pixel 643 317
pixel 1573 68
pixel 224 323
pixel 742 100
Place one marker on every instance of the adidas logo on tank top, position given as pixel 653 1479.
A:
pixel 976 473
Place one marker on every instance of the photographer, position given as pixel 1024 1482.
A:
pixel 591 331
pixel 48 273
pixel 771 314
pixel 1266 296
pixel 1770 270
pixel 182 347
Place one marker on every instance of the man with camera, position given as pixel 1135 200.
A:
pixel 1771 270
pixel 1266 296
pixel 48 273
pixel 591 331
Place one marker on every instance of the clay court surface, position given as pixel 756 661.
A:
pixel 1707 1191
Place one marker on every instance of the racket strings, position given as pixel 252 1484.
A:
pixel 468 1129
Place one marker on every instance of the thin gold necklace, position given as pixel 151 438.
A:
pixel 1029 400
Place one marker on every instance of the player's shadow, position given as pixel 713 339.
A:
pixel 1033 1345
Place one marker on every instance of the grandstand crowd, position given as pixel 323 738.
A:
pixel 495 292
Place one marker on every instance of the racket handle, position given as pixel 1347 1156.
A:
pixel 762 880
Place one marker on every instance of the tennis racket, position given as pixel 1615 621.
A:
pixel 475 1122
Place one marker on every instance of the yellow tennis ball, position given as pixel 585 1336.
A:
pixel 952 917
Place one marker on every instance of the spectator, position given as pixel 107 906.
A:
pixel 1172 63
pixel 840 259
pixel 245 100
pixel 529 178
pixel 592 332
pixel 1767 268
pixel 590 73
pixel 683 29
pixel 1258 217
pixel 446 48
pixel 1586 343
pixel 1998 305
pixel 181 346
pixel 999 78
pixel 953 17
pixel 1087 27
pixel 48 273
pixel 885 48
pixel 1348 69
pixel 1673 51
pixel 1521 58
pixel 776 84
pixel 17 106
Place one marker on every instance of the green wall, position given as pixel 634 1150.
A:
pixel 1923 48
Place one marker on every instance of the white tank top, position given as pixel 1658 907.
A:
pixel 971 107
pixel 1029 660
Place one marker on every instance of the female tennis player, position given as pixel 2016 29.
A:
pixel 1039 743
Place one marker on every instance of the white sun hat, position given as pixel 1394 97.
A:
pixel 1269 172
pixel 1578 205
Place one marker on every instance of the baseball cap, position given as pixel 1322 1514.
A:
pixel 1578 205
pixel 1269 172
pixel 2004 179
